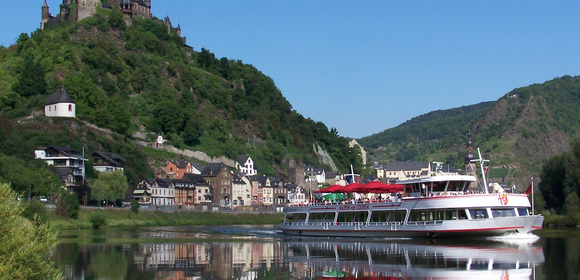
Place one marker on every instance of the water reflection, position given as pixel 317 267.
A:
pixel 257 253
pixel 411 260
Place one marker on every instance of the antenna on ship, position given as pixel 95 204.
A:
pixel 481 162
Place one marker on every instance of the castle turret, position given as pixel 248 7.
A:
pixel 45 15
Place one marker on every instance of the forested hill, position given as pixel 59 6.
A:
pixel 143 78
pixel 520 130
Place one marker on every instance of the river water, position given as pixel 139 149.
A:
pixel 262 252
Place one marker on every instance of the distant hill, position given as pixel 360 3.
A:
pixel 519 131
pixel 142 79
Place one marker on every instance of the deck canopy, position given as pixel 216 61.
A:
pixel 331 189
pixel 371 187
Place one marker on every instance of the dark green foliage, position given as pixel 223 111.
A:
pixel 68 206
pixel 559 180
pixel 31 80
pixel 98 220
pixel 135 206
pixel 34 209
pixel 116 18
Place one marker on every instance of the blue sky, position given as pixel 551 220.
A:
pixel 365 66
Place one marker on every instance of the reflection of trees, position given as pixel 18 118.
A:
pixel 108 265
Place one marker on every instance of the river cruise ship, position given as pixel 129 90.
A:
pixel 437 206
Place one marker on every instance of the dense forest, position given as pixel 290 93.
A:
pixel 143 78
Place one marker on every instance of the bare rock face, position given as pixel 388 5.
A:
pixel 324 157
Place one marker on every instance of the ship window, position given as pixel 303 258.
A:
pixel 478 213
pixel 296 217
pixel 418 215
pixel 353 217
pixel 388 216
pixel 499 213
pixel 451 215
pixel 321 217
pixel 523 212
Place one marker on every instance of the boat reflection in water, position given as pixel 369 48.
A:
pixel 406 259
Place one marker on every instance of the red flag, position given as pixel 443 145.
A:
pixel 529 189
pixel 486 169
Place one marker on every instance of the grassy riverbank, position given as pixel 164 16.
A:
pixel 555 220
pixel 116 217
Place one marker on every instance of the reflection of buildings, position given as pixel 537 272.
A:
pixel 238 260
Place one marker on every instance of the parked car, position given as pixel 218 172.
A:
pixel 42 199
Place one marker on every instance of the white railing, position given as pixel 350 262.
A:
pixel 424 223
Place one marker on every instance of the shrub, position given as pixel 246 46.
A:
pixel 68 206
pixel 135 206
pixel 34 208
pixel 98 220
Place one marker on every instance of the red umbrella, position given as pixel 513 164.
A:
pixel 354 187
pixel 380 187
pixel 331 189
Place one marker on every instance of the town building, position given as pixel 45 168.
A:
pixel 67 162
pixel 315 176
pixel 394 171
pixel 107 162
pixel 143 191
pixel 241 190
pixel 175 169
pixel 219 176
pixel 257 191
pixel 163 194
pixel 245 164
pixel 266 188
pixel 185 190
pixel 60 104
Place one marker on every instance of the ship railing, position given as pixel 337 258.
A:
pixel 384 223
pixel 424 223
pixel 294 223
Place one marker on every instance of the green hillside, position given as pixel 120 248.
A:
pixel 142 78
pixel 518 132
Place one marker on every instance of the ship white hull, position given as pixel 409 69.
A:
pixel 467 227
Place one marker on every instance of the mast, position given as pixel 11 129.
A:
pixel 481 162
pixel 533 211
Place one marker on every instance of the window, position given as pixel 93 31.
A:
pixel 499 213
pixel 523 212
pixel 70 107
pixel 478 213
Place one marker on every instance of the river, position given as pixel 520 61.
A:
pixel 262 252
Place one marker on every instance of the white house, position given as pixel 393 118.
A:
pixel 163 194
pixel 245 164
pixel 242 190
pixel 68 163
pixel 60 104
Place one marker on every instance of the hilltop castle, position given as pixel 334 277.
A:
pixel 81 9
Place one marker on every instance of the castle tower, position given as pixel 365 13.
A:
pixel 45 15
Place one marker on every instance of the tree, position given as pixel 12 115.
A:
pixel 194 129
pixel 31 81
pixel 116 18
pixel 110 186
pixel 68 205
pixel 24 244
